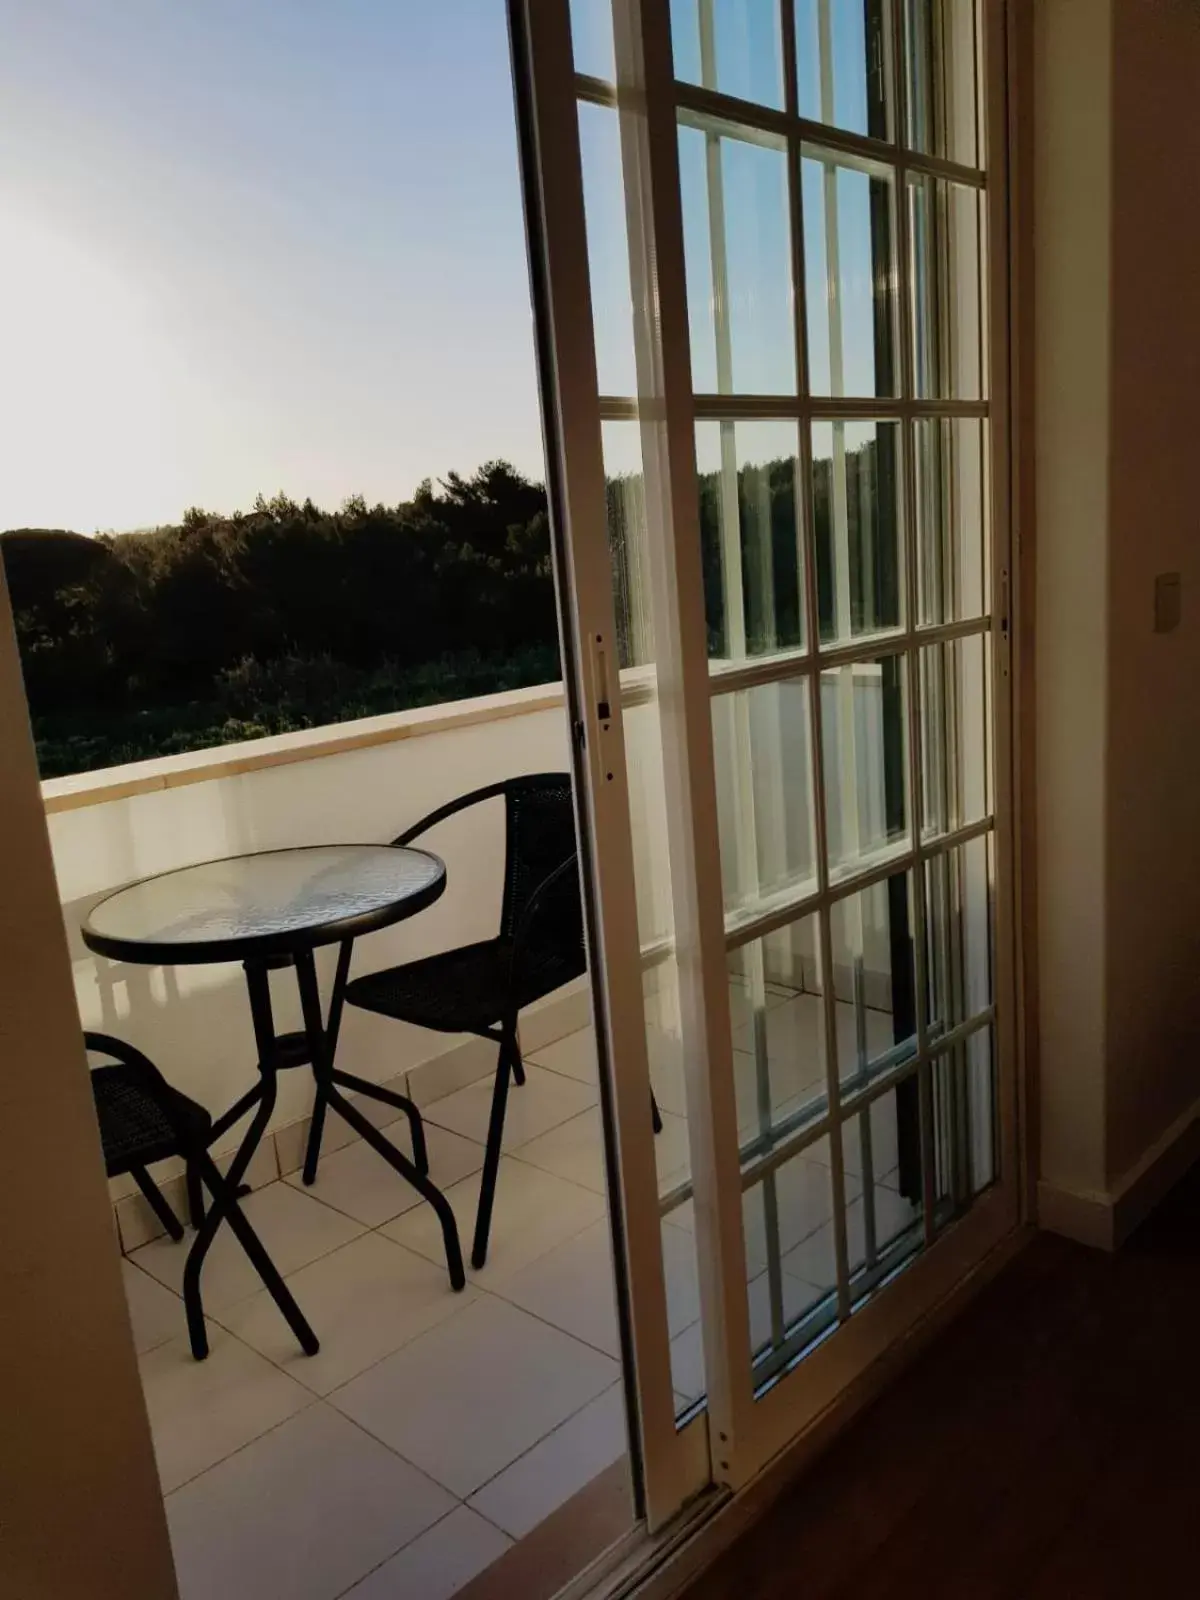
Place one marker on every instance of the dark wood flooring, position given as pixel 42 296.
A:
pixel 1046 1445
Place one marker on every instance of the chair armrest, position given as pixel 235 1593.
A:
pixel 451 808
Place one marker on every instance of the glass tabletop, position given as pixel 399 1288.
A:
pixel 270 903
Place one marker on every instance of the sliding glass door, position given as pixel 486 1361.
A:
pixel 767 244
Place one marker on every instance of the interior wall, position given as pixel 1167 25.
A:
pixel 1072 225
pixel 81 1516
pixel 1153 844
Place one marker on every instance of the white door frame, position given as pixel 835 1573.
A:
pixel 746 1428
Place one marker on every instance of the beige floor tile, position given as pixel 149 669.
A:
pixel 672 1156
pixel 545 1100
pixel 682 1277
pixel 687 1366
pixel 556 1468
pixel 465 1400
pixel 534 1211
pixel 360 1183
pixel 155 1313
pixel 573 1056
pixel 202 1411
pixel 885 1153
pixel 574 1150
pixel 797 1297
pixel 294 1228
pixel 438 1563
pixel 364 1301
pixel 893 1215
pixel 301 1514
pixel 804 1198
pixel 687 1347
pixel 572 1288
pixel 813 1258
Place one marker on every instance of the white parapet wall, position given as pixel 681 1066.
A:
pixel 359 781
pixel 369 780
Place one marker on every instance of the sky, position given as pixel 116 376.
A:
pixel 255 245
pixel 260 245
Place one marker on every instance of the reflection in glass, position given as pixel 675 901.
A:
pixel 884 1228
pixel 625 493
pixel 732 46
pixel 864 741
pixel 958 935
pixel 856 527
pixel 940 54
pixel 954 733
pixel 873 980
pixel 841 64
pixel 592 38
pixel 850 276
pixel 946 319
pixel 778 1021
pixel 688 1378
pixel 951 479
pixel 750 536
pixel 763 758
pixel 787 1223
pixel 966 1127
pixel 737 253
pixel 608 252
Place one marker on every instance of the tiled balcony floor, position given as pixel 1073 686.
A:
pixel 432 1429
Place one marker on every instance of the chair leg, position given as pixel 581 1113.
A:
pixel 158 1203
pixel 518 1066
pixel 195 1191
pixel 495 1140
pixel 656 1121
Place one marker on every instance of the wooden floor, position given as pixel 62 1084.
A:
pixel 1048 1445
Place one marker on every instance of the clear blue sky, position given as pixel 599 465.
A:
pixel 278 244
pixel 255 244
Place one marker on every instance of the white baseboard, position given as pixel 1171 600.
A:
pixel 1086 1217
pixel 1149 1180
pixel 1105 1219
pixel 282 1150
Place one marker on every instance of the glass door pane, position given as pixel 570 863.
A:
pixel 781 545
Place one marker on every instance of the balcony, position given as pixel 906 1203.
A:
pixel 433 1431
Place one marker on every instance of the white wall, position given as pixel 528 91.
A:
pixel 1153 833
pixel 1073 63
pixel 1117 168
pixel 195 1021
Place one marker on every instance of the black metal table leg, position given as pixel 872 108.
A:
pixel 376 1091
pixel 328 1090
pixel 262 1096
pixel 217 1213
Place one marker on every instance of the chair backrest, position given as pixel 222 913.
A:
pixel 142 1118
pixel 540 836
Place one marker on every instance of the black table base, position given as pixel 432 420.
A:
pixel 314 1046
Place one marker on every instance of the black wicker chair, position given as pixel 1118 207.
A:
pixel 481 988
pixel 143 1119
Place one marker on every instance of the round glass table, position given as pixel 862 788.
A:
pixel 269 910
